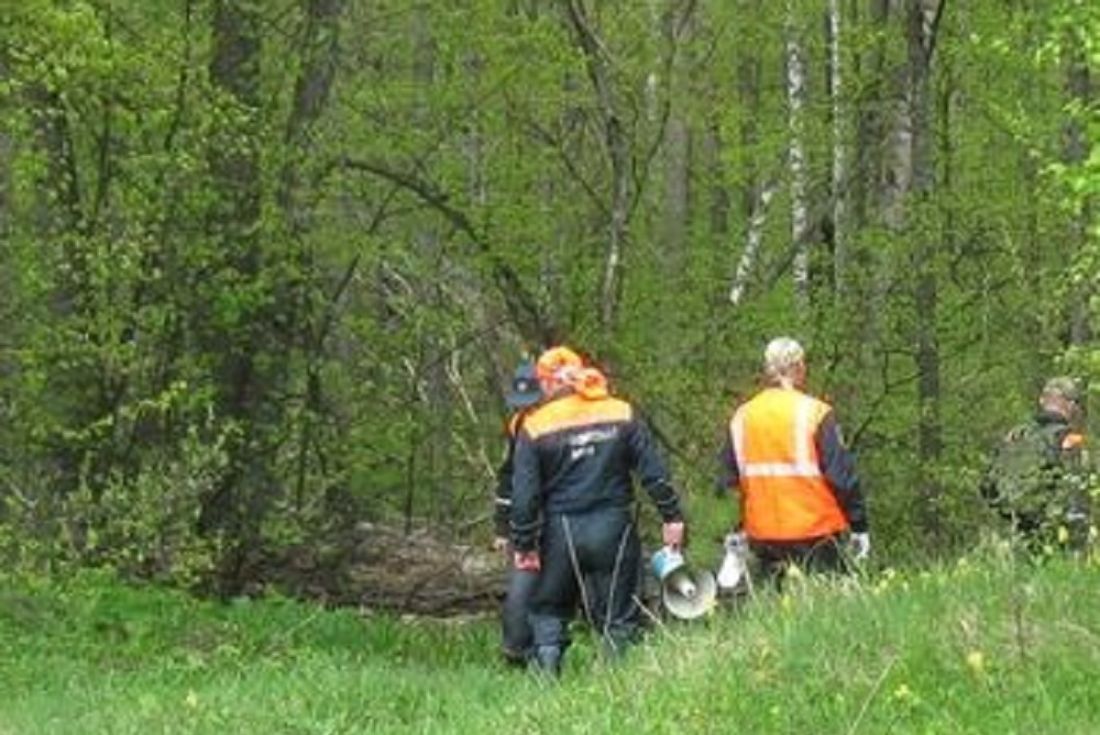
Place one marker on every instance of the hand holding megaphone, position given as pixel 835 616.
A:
pixel 672 534
pixel 686 593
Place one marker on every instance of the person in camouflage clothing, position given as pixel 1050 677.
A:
pixel 1037 478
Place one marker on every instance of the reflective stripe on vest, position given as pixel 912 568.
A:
pixel 783 493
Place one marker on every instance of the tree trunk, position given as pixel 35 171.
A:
pixel 244 396
pixel 617 146
pixel 754 238
pixel 6 155
pixel 677 199
pixel 1075 152
pixel 719 195
pixel 320 49
pixel 756 193
pixel 839 178
pixel 312 88
pixel 870 121
pixel 923 17
pixel 796 162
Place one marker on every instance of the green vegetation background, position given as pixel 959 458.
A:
pixel 265 270
pixel 973 647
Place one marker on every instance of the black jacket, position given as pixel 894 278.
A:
pixel 578 453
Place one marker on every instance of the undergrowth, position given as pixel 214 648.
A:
pixel 990 646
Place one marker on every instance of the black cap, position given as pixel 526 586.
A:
pixel 526 390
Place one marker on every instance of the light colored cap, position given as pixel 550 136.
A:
pixel 1065 387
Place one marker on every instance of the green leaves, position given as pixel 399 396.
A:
pixel 166 220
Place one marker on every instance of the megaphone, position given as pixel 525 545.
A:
pixel 685 593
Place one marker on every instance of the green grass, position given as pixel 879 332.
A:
pixel 973 648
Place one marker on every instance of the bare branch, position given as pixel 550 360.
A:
pixel 568 161
pixel 521 305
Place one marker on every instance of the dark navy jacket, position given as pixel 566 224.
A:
pixel 578 453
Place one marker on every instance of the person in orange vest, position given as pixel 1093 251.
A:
pixel 524 395
pixel 572 518
pixel 785 458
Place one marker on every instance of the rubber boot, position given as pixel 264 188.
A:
pixel 547 661
pixel 514 659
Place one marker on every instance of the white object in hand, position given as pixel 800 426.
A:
pixel 733 563
pixel 861 545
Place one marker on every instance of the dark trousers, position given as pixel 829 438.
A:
pixel 813 556
pixel 516 635
pixel 592 560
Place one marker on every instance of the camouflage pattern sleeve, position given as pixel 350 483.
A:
pixel 1079 478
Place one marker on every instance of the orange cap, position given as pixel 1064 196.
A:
pixel 589 383
pixel 554 361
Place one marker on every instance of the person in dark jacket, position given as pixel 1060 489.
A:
pixel 1037 477
pixel 516 637
pixel 796 481
pixel 577 455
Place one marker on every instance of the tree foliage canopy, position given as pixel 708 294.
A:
pixel 268 266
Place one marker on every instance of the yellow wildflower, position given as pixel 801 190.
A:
pixel 903 693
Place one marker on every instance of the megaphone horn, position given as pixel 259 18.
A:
pixel 682 584
pixel 686 594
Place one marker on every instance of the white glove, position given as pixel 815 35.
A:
pixel 860 545
pixel 733 561
pixel 736 541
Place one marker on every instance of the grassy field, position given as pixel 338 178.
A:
pixel 986 647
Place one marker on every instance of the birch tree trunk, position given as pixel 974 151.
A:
pixel 756 194
pixel 839 178
pixel 796 162
pixel 754 238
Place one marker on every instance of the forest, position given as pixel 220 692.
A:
pixel 266 267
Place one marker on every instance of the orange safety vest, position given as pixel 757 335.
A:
pixel 513 424
pixel 784 496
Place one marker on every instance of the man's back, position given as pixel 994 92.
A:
pixel 1032 475
pixel 576 456
pixel 583 450
pixel 785 495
